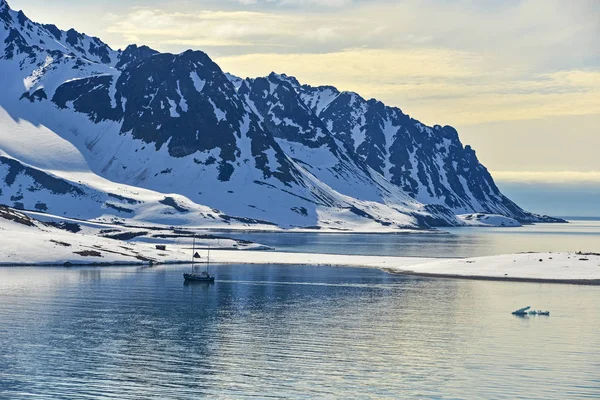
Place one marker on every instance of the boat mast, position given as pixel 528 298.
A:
pixel 193 251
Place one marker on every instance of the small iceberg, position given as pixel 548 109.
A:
pixel 526 311
pixel 521 311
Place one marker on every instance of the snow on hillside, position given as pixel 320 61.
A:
pixel 479 219
pixel 428 163
pixel 84 195
pixel 303 136
pixel 166 129
pixel 26 240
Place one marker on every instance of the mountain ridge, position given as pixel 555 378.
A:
pixel 175 123
pixel 385 140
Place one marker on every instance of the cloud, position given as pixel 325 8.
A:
pixel 555 143
pixel 436 85
pixel 297 3
pixel 529 35
pixel 176 31
pixel 572 177
pixel 323 34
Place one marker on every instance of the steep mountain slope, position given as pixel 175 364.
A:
pixel 89 197
pixel 304 137
pixel 171 124
pixel 428 163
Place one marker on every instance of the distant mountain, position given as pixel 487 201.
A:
pixel 428 163
pixel 308 142
pixel 261 151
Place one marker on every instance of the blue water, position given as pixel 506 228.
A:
pixel 290 332
pixel 578 235
pixel 305 332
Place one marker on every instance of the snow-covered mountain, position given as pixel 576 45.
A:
pixel 82 124
pixel 309 143
pixel 428 163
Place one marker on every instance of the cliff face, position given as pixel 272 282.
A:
pixel 428 163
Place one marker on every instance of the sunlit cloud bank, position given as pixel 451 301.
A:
pixel 436 85
pixel 456 62
pixel 449 62
pixel 575 177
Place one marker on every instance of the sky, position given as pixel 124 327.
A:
pixel 519 79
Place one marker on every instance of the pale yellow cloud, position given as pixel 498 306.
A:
pixel 443 63
pixel 547 176
pixel 436 85
pixel 164 29
pixel 556 143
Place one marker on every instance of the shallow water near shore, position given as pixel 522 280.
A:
pixel 290 331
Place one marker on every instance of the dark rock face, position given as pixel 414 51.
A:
pixel 38 95
pixel 284 114
pixel 28 37
pixel 89 96
pixel 169 201
pixel 15 216
pixel 134 54
pixel 15 44
pixel 428 163
pixel 53 29
pixel 183 102
pixel 305 138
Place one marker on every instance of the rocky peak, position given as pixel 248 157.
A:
pixel 27 37
pixel 283 112
pixel 134 54
pixel 285 78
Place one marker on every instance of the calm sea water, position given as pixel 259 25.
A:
pixel 578 235
pixel 290 331
pixel 299 331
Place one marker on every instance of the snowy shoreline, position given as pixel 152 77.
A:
pixel 588 282
pixel 25 241
pixel 566 268
pixel 571 268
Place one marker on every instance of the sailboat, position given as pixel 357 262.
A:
pixel 203 276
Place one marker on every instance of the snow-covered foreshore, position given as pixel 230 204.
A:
pixel 28 241
pixel 285 258
pixel 535 267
